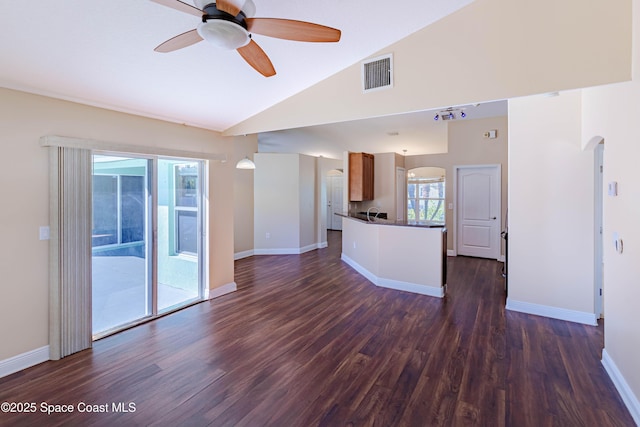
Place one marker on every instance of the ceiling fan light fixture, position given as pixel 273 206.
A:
pixel 224 34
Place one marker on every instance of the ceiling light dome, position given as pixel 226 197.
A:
pixel 225 34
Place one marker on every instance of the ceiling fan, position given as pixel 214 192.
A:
pixel 227 25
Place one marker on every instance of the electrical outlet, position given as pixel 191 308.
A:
pixel 267 235
pixel 354 245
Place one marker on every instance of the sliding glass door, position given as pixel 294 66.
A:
pixel 179 231
pixel 134 275
pixel 121 283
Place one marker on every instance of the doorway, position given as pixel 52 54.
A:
pixel 147 250
pixel 478 210
pixel 335 189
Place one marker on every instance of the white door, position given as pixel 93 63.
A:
pixel 334 202
pixel 401 194
pixel 478 211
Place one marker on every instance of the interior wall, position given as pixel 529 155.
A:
pixel 610 112
pixel 468 146
pixel 243 196
pixel 384 189
pixel 276 201
pixel 24 322
pixel 307 197
pixel 488 50
pixel 551 205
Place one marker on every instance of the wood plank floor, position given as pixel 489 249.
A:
pixel 306 341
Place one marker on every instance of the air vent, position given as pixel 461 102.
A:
pixel 377 73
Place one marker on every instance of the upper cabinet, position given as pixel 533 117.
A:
pixel 360 177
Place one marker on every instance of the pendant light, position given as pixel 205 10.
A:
pixel 245 163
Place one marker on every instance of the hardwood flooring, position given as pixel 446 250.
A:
pixel 306 341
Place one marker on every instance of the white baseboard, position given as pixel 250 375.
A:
pixel 309 248
pixel 432 291
pixel 287 251
pixel 24 361
pixel 501 258
pixel 360 269
pixel 244 254
pixel 220 290
pixel 451 252
pixel 629 399
pixel 323 245
pixel 552 312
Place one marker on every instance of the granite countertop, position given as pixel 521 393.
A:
pixel 379 221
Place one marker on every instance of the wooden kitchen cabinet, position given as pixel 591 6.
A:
pixel 360 177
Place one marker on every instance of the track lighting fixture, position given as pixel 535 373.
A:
pixel 450 114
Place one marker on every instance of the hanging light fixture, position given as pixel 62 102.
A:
pixel 245 163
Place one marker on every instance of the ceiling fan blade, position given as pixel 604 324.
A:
pixel 179 41
pixel 181 6
pixel 227 6
pixel 292 30
pixel 255 56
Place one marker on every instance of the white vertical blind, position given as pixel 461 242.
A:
pixel 70 251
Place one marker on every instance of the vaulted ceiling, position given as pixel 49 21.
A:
pixel 102 53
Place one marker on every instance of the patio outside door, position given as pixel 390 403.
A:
pixel 134 276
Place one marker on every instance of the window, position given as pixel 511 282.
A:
pixel 118 209
pixel 186 208
pixel 426 200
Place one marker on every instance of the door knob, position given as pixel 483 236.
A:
pixel 494 217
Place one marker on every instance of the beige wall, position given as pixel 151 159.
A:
pixel 243 197
pixel 276 201
pixel 384 189
pixel 284 202
pixel 468 146
pixel 551 205
pixel 491 49
pixel 611 112
pixel 24 176
pixel 404 258
pixel 307 195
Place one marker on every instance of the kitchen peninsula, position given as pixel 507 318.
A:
pixel 399 255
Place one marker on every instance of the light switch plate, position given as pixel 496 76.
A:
pixel 45 232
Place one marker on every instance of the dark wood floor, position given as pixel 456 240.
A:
pixel 306 341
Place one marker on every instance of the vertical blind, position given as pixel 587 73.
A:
pixel 70 251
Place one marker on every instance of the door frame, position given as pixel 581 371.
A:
pixel 152 239
pixel 598 229
pixel 456 169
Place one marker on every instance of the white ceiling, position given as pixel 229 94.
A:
pixel 101 53
pixel 415 132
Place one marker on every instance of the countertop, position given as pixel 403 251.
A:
pixel 378 221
